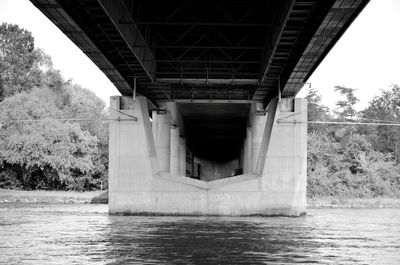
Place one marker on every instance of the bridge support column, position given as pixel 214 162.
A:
pixel 132 152
pixel 247 151
pixel 283 177
pixel 258 119
pixel 154 125
pixel 182 156
pixel 175 148
pixel 162 134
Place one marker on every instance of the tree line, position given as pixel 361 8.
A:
pixel 38 148
pixel 52 133
pixel 346 160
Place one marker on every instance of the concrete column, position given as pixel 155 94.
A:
pixel 154 125
pixel 258 121
pixel 163 141
pixel 174 150
pixel 247 151
pixel 132 153
pixel 241 157
pixel 182 157
pixel 285 169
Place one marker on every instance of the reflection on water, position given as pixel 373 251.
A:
pixel 85 234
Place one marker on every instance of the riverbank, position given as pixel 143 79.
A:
pixel 43 196
pixel 336 202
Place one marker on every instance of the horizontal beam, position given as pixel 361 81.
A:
pixel 208 101
pixel 215 137
pixel 216 81
pixel 211 74
pixel 116 10
pixel 209 47
pixel 208 61
pixel 212 24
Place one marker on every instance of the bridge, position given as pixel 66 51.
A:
pixel 208 122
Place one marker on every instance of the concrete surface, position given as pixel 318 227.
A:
pixel 139 185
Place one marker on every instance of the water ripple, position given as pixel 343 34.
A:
pixel 85 234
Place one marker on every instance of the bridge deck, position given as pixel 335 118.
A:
pixel 204 49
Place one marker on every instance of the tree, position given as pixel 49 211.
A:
pixel 45 152
pixel 16 59
pixel 37 148
pixel 315 110
pixel 345 108
pixel 349 168
pixel 83 103
pixel 386 108
pixel 23 67
pixel 323 159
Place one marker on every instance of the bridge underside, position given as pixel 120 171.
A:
pixel 218 81
pixel 192 49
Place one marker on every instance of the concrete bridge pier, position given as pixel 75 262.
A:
pixel 148 164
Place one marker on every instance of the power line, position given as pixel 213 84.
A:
pixel 94 111
pixel 354 123
pixel 47 118
pixel 345 123
pixel 71 119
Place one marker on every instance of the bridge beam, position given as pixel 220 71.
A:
pixel 117 13
pixel 272 43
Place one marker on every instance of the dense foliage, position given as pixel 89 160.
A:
pixel 354 160
pixel 51 131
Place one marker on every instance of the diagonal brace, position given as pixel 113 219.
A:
pixel 273 113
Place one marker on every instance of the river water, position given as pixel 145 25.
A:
pixel 85 234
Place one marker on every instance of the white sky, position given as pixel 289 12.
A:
pixel 367 57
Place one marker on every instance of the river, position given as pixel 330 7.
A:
pixel 86 234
